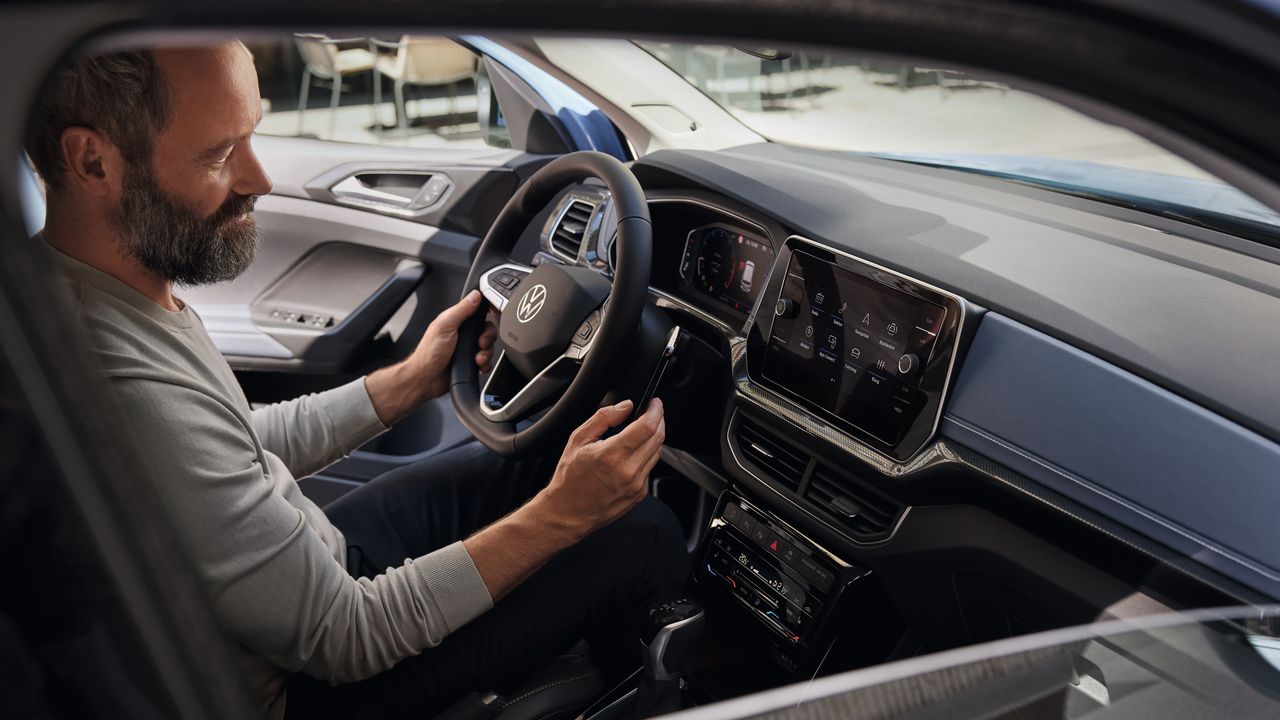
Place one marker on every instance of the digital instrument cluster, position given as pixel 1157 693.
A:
pixel 726 264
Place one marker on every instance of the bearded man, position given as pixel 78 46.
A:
pixel 461 573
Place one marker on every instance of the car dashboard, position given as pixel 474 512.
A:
pixel 882 382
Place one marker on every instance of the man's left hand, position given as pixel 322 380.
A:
pixel 435 351
pixel 398 390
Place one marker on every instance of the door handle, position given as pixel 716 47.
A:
pixel 404 193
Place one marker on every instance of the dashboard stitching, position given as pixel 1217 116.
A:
pixel 1168 525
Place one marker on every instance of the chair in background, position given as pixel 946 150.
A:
pixel 323 60
pixel 425 61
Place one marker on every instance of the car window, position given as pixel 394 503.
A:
pixel 406 90
pixel 939 116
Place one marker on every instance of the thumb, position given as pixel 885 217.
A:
pixel 455 315
pixel 599 423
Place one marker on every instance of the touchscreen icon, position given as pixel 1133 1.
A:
pixel 808 331
pixel 843 306
pixel 831 341
pixel 866 319
pixel 855 353
pixel 880 364
pixel 893 328
pixel 818 298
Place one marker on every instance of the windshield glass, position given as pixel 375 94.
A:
pixel 941 117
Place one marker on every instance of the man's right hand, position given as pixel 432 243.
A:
pixel 597 481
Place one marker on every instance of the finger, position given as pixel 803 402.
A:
pixel 649 464
pixel 453 316
pixel 488 337
pixel 482 360
pixel 635 434
pixel 652 444
pixel 603 419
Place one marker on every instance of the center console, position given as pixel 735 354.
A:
pixel 864 347
pixel 794 588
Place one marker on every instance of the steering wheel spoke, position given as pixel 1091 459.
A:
pixel 508 397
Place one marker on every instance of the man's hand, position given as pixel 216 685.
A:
pixel 434 352
pixel 399 389
pixel 596 482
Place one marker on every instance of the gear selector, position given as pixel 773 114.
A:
pixel 673 630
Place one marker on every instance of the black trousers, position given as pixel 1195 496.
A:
pixel 600 589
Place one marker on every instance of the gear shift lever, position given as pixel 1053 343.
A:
pixel 673 630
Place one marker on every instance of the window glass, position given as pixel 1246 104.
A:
pixel 410 90
pixel 939 116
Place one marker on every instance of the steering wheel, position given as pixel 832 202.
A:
pixel 567 332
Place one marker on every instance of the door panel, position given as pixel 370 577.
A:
pixel 325 282
pixel 340 288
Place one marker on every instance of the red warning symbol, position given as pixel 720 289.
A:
pixel 774 546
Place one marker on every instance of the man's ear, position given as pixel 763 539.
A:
pixel 94 164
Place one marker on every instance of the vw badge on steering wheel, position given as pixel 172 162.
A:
pixel 531 302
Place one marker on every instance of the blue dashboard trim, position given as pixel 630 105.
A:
pixel 1122 446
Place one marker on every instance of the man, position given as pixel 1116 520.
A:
pixel 428 582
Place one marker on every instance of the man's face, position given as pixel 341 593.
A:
pixel 188 215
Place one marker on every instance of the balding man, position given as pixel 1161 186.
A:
pixel 461 573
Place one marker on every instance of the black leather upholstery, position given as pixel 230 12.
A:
pixel 562 689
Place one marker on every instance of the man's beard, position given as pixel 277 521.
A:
pixel 178 244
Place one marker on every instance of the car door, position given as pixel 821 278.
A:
pixel 370 228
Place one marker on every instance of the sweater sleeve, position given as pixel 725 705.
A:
pixel 276 587
pixel 313 431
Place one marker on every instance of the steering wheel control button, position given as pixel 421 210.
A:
pixel 500 283
pixel 908 364
pixel 587 330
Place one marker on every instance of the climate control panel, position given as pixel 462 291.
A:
pixel 787 582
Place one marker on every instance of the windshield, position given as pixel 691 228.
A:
pixel 942 117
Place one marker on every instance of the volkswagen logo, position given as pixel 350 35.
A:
pixel 531 302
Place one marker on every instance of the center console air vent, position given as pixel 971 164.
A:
pixel 783 464
pixel 863 511
pixel 571 229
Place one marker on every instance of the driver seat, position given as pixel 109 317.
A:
pixel 560 690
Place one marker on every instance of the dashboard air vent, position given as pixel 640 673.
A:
pixel 862 510
pixel 783 464
pixel 569 232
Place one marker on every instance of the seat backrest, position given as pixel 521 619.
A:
pixel 434 60
pixel 319 56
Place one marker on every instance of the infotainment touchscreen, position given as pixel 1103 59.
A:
pixel 851 345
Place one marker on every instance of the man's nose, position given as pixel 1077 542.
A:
pixel 251 177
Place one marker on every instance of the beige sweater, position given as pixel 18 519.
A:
pixel 272 563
